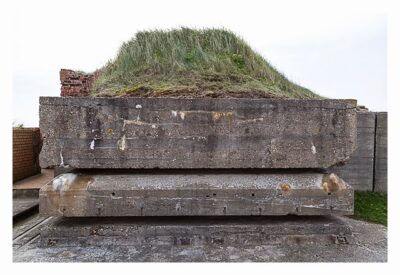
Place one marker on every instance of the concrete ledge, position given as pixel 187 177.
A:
pixel 179 193
pixel 87 132
pixel 22 206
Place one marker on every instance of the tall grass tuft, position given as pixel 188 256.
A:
pixel 192 61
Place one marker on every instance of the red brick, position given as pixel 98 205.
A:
pixel 26 149
pixel 75 84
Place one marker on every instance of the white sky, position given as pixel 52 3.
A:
pixel 337 50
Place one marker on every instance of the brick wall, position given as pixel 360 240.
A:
pixel 75 83
pixel 26 149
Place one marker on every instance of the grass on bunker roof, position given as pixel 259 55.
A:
pixel 192 63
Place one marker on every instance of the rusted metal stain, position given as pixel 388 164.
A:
pixel 110 131
pixel 218 115
pixel 332 183
pixel 285 187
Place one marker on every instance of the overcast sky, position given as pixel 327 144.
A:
pixel 337 51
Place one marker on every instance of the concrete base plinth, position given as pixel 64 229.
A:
pixel 191 193
pixel 195 231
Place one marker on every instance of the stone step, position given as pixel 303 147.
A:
pixel 86 132
pixel 171 232
pixel 180 193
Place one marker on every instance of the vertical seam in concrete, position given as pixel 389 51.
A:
pixel 374 160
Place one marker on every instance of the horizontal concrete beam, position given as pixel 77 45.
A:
pixel 195 194
pixel 195 231
pixel 90 132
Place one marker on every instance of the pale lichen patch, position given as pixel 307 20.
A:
pixel 121 143
pixel 313 149
pixel 178 207
pixel 61 158
pixel 92 145
pixel 63 182
pixel 182 114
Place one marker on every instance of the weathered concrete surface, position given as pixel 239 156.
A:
pixel 358 171
pixel 24 205
pixel 189 193
pixel 27 230
pixel 231 231
pixel 195 133
pixel 381 153
pixel 368 243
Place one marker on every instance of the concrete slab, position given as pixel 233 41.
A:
pixel 191 193
pixel 86 132
pixel 367 244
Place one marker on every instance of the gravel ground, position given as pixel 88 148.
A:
pixel 369 244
